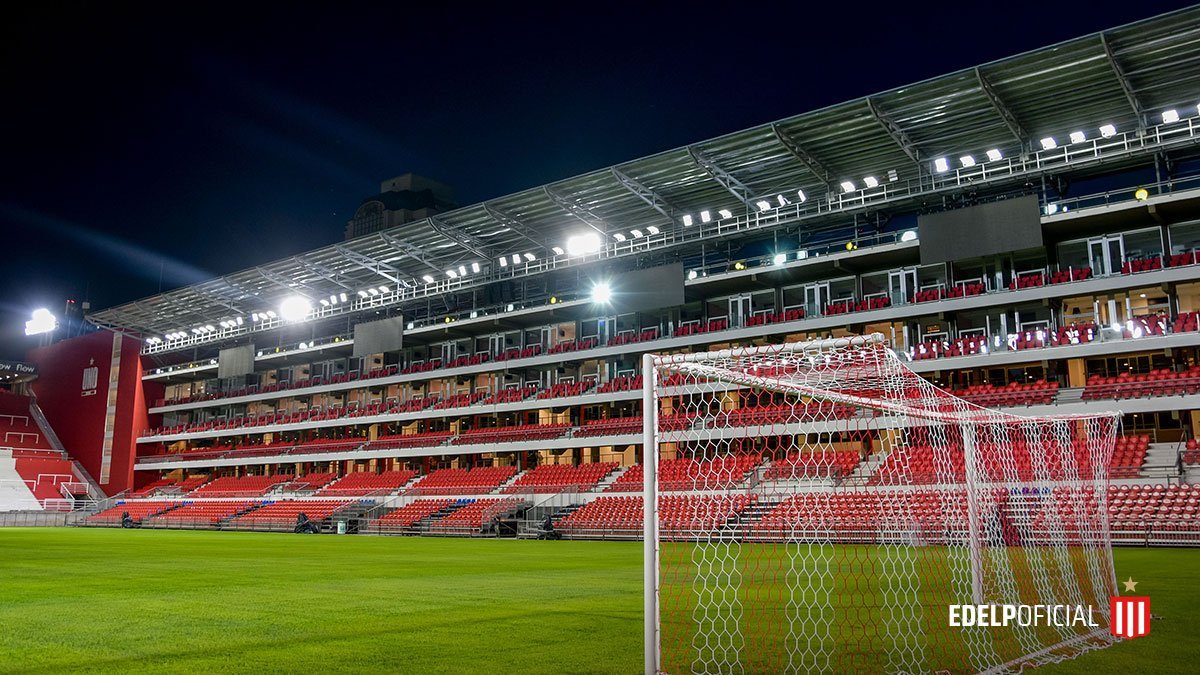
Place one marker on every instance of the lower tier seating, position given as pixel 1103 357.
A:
pixel 682 515
pixel 408 515
pixel 137 510
pixel 477 513
pixel 241 486
pixel 477 481
pixel 277 515
pixel 367 483
pixel 200 514
pixel 559 477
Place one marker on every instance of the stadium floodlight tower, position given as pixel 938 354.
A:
pixel 817 506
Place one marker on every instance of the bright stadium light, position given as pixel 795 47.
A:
pixel 779 258
pixel 705 217
pixel 1051 209
pixel 1170 116
pixel 373 291
pixel 619 236
pixel 383 289
pixel 333 299
pixel 427 278
pixel 847 186
pixel 692 274
pixel 1078 137
pixel 475 267
pixel 783 201
pixel 559 251
pixel 687 221
pixel 462 270
pixel 763 205
pixel 994 155
pixel 271 313
pixel 967 161
pixel 583 244
pixel 1048 143
pixel 362 294
pixel 1108 131
pixel 893 175
pixel 652 229
pixel 295 308
pixel 801 196
pixel 516 258
pixel 909 235
pixel 871 182
pixel 601 293
pixel 529 257
pixel 637 234
pixel 324 302
pixel 725 213
pixel 941 165
pixel 342 296
pixel 504 261
pixel 254 316
pixel 452 274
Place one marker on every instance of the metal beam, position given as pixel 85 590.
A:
pixel 461 238
pixel 1123 81
pixel 330 275
pixel 726 180
pixel 896 133
pixel 586 217
pixel 814 167
pixel 644 193
pixel 402 246
pixel 1006 115
pixel 290 284
pixel 512 223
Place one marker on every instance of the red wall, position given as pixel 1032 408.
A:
pixel 78 417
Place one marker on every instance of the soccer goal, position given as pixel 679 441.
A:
pixel 817 506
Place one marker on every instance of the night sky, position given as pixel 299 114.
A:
pixel 147 148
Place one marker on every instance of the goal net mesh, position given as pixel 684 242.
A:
pixel 820 507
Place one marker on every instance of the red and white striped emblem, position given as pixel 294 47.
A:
pixel 1130 616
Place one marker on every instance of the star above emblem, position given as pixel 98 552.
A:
pixel 1130 585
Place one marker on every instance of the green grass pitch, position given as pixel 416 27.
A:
pixel 101 600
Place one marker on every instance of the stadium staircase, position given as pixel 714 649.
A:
pixel 14 493
pixel 863 472
pixel 1160 461
pixel 609 479
pixel 745 520
pixel 422 525
pixel 355 515
pixel 505 485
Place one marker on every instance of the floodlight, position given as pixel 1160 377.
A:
pixel 383 289
pixel 763 205
pixel 941 165
pixel 1141 194
pixel 558 250
pixel 847 186
pixel 462 270
pixel 871 182
pixel 516 259
pixel 295 308
pixel 271 313
pixel 1170 116
pixel 692 274
pixel 994 155
pixel 362 294
pixel 452 274
pixel 801 196
pixel 636 233
pixel 1051 209
pixel 601 293
pixel 324 302
pixel 474 267
pixel 582 244
pixel 687 221
pixel 333 299
pixel 254 316
pixel 1048 143
pixel 779 258
pixel 909 235
pixel 705 217
pixel 1108 131
pixel 654 230
pixel 1078 137
pixel 373 291
pixel 619 236
pixel 725 213
pixel 783 201
pixel 342 296
pixel 530 257
pixel 427 278
pixel 967 161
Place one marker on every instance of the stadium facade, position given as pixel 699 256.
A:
pixel 1024 233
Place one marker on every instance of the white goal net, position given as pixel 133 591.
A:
pixel 819 507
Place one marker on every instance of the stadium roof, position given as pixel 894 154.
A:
pixel 1125 77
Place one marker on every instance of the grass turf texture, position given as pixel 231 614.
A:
pixel 101 600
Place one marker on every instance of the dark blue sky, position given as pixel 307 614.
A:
pixel 203 139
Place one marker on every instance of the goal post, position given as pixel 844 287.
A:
pixel 818 506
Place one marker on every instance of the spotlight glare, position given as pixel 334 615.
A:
pixel 427 278
pixel 763 205
pixel 652 229
pixel 692 274
pixel 558 250
pixel 783 201
pixel 362 294
pixel 475 267
pixel 871 181
pixel 779 258
pixel 847 186
pixel 636 233
pixel 452 274
pixel 687 221
pixel 601 293
pixel 967 161
pixel 941 165
pixel 909 235
pixel 1108 131
pixel 582 244
pixel 462 270
pixel 725 213
pixel 1048 143
pixel 295 308
pixel 373 291
pixel 40 321
pixel 705 217
pixel 801 196
pixel 1078 137
pixel 530 257
pixel 504 261
pixel 619 236
pixel 994 155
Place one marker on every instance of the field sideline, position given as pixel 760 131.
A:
pixel 100 600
